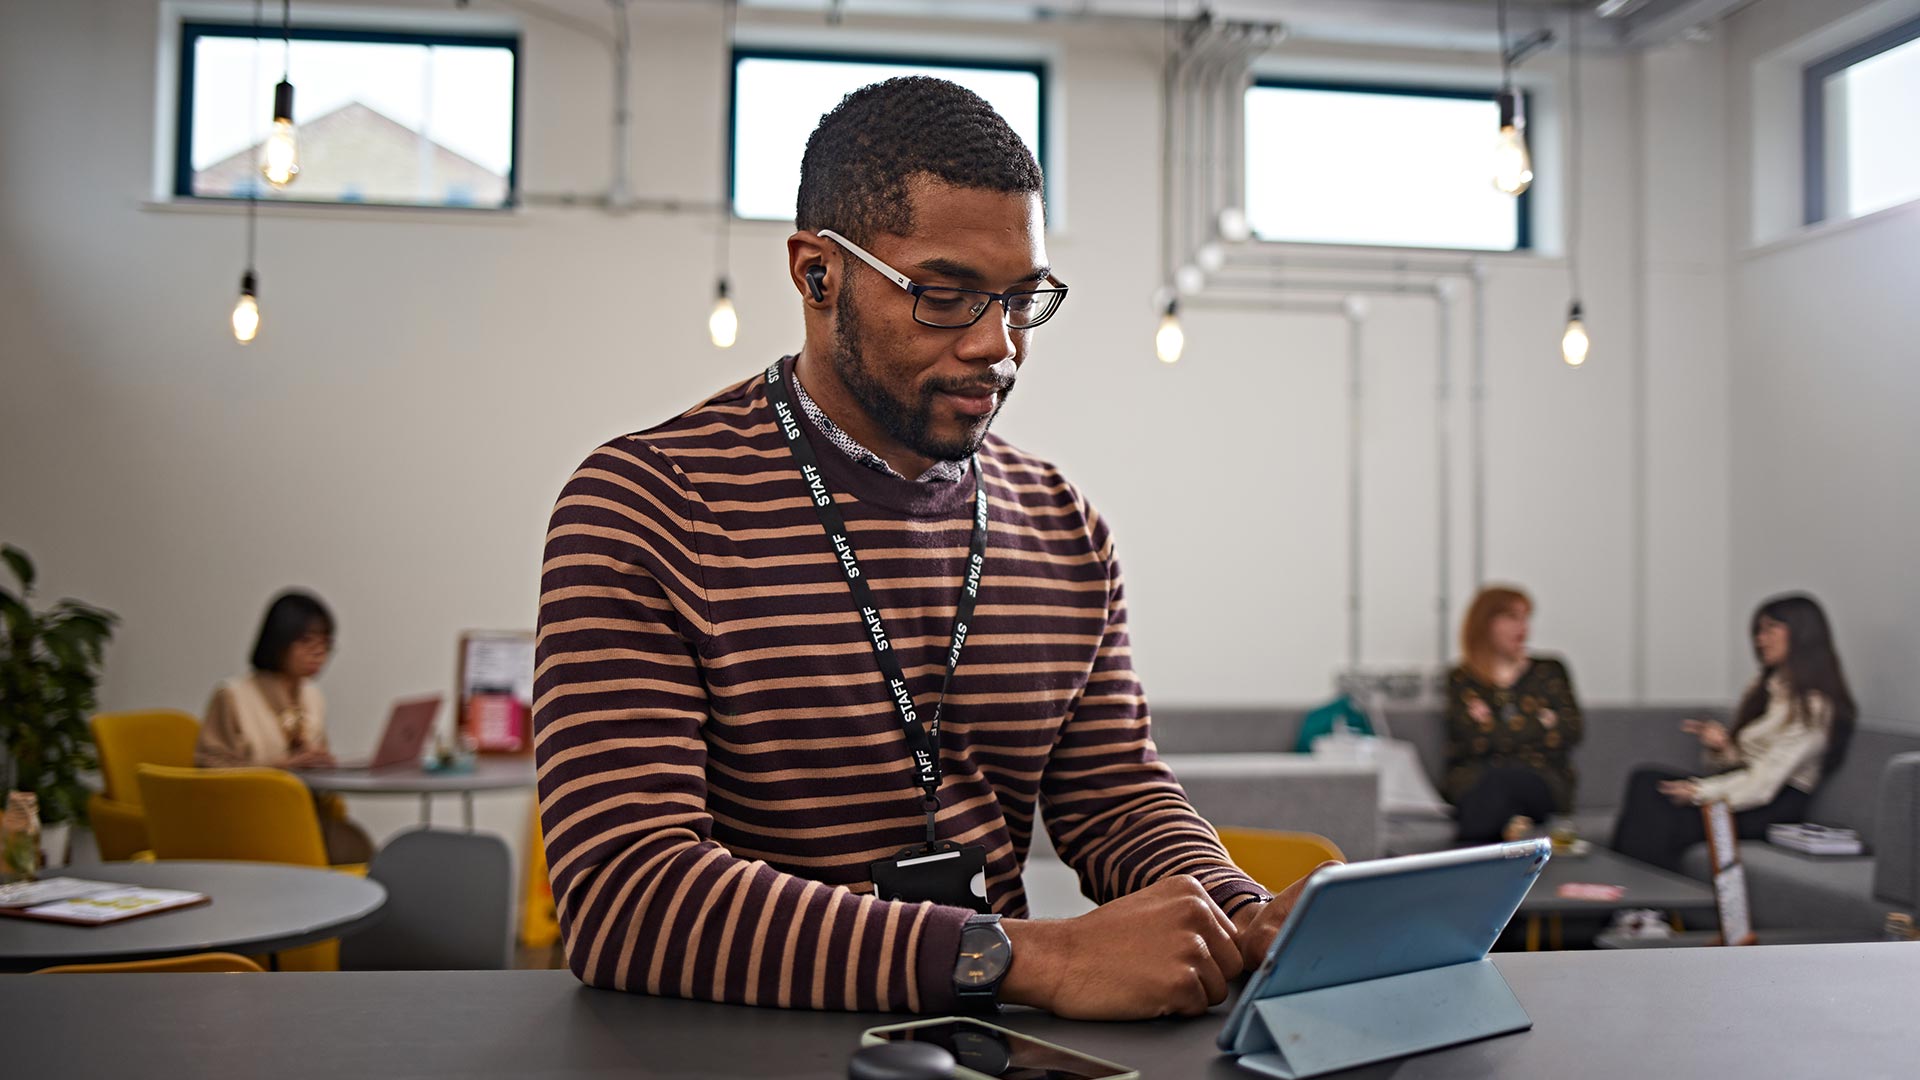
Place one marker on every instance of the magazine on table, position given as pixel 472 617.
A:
pixel 89 903
pixel 1815 839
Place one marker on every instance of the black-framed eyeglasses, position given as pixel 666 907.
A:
pixel 946 308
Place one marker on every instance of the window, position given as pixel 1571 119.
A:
pixel 383 118
pixel 779 97
pixel 1391 166
pixel 1862 112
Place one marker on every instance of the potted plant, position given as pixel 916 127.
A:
pixel 49 669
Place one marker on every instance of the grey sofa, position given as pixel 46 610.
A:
pixel 1876 791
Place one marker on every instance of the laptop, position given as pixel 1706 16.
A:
pixel 405 736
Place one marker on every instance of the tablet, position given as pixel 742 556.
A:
pixel 1393 916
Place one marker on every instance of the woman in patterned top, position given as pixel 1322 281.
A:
pixel 1512 722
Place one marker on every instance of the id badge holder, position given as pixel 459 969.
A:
pixel 943 873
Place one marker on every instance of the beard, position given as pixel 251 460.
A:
pixel 908 421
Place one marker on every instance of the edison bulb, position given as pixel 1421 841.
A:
pixel 280 158
pixel 1512 165
pixel 1575 343
pixel 1170 341
pixel 246 314
pixel 723 325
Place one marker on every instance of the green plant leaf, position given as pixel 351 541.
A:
pixel 21 565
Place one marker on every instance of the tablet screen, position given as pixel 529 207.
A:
pixel 1393 916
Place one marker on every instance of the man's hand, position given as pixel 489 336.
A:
pixel 1164 950
pixel 1258 924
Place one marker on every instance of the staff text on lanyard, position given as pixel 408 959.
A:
pixel 923 740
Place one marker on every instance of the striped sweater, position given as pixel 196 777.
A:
pixel 719 757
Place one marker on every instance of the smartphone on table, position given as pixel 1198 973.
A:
pixel 990 1052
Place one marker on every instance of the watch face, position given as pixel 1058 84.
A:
pixel 984 956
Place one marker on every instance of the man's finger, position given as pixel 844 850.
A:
pixel 1219 936
pixel 1213 976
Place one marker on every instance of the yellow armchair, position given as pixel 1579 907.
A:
pixel 194 963
pixel 128 740
pixel 1277 859
pixel 249 815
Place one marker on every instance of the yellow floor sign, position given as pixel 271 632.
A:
pixel 539 928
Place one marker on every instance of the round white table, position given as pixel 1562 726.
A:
pixel 255 908
pixel 500 773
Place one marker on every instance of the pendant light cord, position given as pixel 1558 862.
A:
pixel 253 184
pixel 1573 149
pixel 1169 23
pixel 1506 71
pixel 286 40
pixel 723 246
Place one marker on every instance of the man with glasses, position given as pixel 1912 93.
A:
pixel 815 655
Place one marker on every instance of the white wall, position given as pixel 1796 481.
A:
pixel 1823 321
pixel 423 384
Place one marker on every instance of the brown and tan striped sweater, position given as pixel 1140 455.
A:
pixel 719 757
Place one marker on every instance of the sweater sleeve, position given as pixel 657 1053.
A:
pixel 1114 811
pixel 1570 722
pixel 221 744
pixel 1462 727
pixel 1768 770
pixel 647 899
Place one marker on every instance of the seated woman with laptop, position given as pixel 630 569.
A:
pixel 276 716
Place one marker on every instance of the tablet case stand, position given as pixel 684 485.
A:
pixel 1340 1027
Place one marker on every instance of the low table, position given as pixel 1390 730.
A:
pixel 1646 887
pixel 488 774
pixel 256 908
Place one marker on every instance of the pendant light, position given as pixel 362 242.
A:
pixel 723 322
pixel 1574 342
pixel 1512 164
pixel 246 310
pixel 245 318
pixel 280 158
pixel 1169 341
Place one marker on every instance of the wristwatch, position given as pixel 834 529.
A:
pixel 985 954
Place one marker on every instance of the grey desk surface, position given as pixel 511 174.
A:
pixel 1809 1010
pixel 1647 886
pixel 489 774
pixel 256 908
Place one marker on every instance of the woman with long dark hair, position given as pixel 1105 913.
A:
pixel 1512 723
pixel 1790 731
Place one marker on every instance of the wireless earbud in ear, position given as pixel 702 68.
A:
pixel 817 283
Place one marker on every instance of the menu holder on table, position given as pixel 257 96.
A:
pixel 495 684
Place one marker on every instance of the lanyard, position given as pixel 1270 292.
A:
pixel 923 740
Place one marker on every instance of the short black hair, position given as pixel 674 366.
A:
pixel 292 616
pixel 863 154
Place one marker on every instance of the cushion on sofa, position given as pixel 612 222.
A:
pixel 1788 890
pixel 1896 831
